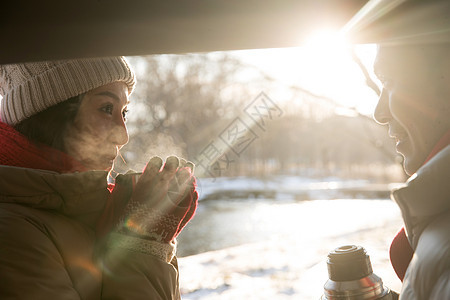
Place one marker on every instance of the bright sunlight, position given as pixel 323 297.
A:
pixel 324 66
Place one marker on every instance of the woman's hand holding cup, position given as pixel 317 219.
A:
pixel 163 201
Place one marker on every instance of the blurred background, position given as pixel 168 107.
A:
pixel 289 161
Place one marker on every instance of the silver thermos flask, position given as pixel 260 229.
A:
pixel 351 277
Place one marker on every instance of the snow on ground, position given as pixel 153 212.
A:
pixel 208 186
pixel 290 262
pixel 290 187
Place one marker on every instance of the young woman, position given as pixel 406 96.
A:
pixel 64 232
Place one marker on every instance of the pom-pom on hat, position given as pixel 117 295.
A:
pixel 30 88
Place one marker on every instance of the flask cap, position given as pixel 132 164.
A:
pixel 349 262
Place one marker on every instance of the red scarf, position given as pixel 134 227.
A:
pixel 16 150
pixel 400 251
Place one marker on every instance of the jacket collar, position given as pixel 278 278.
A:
pixel 425 195
pixel 76 195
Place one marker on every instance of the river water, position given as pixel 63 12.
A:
pixel 276 247
pixel 221 224
pixel 226 221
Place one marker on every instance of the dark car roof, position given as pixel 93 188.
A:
pixel 54 29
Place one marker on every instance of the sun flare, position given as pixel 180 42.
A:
pixel 323 39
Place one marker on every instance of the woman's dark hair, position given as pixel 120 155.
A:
pixel 49 126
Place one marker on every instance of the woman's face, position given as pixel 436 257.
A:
pixel 99 129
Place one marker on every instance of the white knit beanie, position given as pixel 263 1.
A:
pixel 30 88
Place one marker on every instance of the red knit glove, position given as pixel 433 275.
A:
pixel 164 200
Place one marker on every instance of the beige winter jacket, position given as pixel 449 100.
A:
pixel 49 249
pixel 425 205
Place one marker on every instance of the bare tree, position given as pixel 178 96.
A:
pixel 177 104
